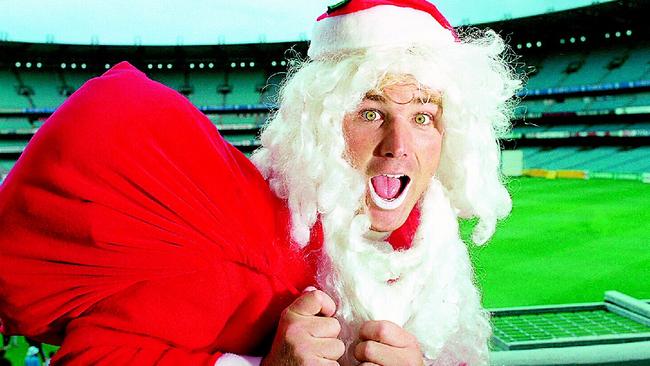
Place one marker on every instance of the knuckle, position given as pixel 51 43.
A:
pixel 302 302
pixel 382 330
pixel 297 303
pixel 334 325
pixel 301 355
pixel 358 352
pixel 365 326
pixel 288 314
pixel 364 350
pixel 415 358
pixel 323 297
pixel 294 332
pixel 365 329
pixel 411 338
pixel 311 361
pixel 414 361
pixel 310 299
pixel 371 349
pixel 318 296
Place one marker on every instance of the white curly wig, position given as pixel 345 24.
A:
pixel 303 157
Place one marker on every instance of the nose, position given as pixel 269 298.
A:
pixel 396 139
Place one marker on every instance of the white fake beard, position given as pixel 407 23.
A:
pixel 433 297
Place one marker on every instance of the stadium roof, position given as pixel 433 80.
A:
pixel 203 22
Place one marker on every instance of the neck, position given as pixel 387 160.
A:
pixel 377 235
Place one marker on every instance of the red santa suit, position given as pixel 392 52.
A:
pixel 135 235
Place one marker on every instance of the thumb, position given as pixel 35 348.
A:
pixel 314 302
pixel 309 289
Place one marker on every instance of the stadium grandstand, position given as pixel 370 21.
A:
pixel 585 109
pixel 583 114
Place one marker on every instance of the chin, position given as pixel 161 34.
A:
pixel 388 220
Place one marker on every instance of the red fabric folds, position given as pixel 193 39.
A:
pixel 133 229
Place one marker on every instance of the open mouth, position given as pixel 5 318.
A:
pixel 388 191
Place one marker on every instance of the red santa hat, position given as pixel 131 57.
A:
pixel 361 24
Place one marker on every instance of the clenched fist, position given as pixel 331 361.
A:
pixel 387 344
pixel 307 333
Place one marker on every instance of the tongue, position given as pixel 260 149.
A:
pixel 386 187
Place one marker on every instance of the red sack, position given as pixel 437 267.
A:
pixel 131 227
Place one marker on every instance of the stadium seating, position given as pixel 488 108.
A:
pixel 246 87
pixel 567 105
pixel 242 140
pixel 640 99
pixel 7 164
pixel 46 87
pixel 206 87
pixel 75 79
pixel 172 79
pixel 271 88
pixel 533 106
pixel 574 128
pixel 15 125
pixel 624 161
pixel 613 64
pixel 12 146
pixel 635 67
pixel 584 159
pixel 608 102
pixel 5 167
pixel 9 97
pixel 567 128
pixel 642 126
pixel 529 129
pixel 595 67
pixel 547 159
pixel 548 69
pixel 608 127
pixel 602 159
pixel 232 120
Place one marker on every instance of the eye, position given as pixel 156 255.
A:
pixel 370 115
pixel 423 118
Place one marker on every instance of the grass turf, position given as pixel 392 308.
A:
pixel 567 241
pixel 16 353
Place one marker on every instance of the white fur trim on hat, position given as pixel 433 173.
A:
pixel 379 26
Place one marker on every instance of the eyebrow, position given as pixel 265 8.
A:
pixel 429 98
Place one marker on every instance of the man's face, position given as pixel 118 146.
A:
pixel 394 137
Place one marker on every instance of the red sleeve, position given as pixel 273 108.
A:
pixel 127 231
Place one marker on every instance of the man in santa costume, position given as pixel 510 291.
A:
pixel 153 241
